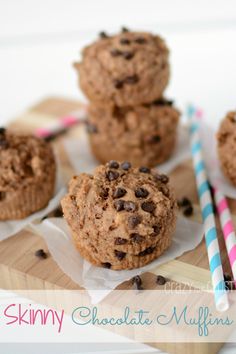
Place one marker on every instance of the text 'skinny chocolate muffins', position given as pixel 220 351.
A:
pixel 27 175
pixel 127 69
pixel 144 134
pixel 226 139
pixel 120 217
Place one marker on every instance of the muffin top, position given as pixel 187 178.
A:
pixel 124 68
pixel 24 160
pixel 227 132
pixel 125 204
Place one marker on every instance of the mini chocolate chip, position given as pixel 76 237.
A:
pixel 124 29
pixel 137 281
pixel 119 192
pixel 118 84
pixel 135 237
pixel 141 192
pixel 58 213
pixel 91 128
pixel 125 165
pixel 188 211
pixel 161 280
pixel 140 40
pixel 184 202
pixel 112 175
pixel 162 178
pixel 147 251
pixel 134 221
pixel 149 207
pixel 103 35
pixel 103 193
pixel 128 55
pixel 119 205
pixel 120 241
pixel 154 139
pixel 2 131
pixel 113 164
pixel 120 255
pixel 115 52
pixel 41 254
pixel 106 265
pixel 163 102
pixel 144 169
pixel 124 41
pixel 156 229
pixel 132 79
pixel 129 206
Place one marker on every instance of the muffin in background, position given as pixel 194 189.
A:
pixel 120 217
pixel 27 175
pixel 144 135
pixel 127 69
pixel 226 144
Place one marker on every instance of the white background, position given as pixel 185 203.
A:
pixel 39 40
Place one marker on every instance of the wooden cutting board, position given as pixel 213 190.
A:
pixel 20 269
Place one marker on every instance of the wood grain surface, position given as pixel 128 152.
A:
pixel 20 269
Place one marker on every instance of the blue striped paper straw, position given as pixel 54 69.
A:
pixel 213 251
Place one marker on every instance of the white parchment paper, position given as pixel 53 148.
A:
pixel 82 160
pixel 215 175
pixel 56 233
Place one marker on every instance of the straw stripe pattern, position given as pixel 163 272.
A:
pixel 204 194
pixel 62 123
pixel 227 227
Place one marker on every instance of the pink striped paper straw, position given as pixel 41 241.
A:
pixel 62 123
pixel 227 227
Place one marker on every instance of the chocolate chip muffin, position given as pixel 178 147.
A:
pixel 226 140
pixel 120 217
pixel 127 69
pixel 144 134
pixel 27 175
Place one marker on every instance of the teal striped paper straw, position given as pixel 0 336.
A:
pixel 213 251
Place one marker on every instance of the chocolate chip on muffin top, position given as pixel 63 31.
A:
pixel 131 226
pixel 127 69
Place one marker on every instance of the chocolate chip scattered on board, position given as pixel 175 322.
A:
pixel 137 281
pixel 41 254
pixel 161 280
pixel 188 211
